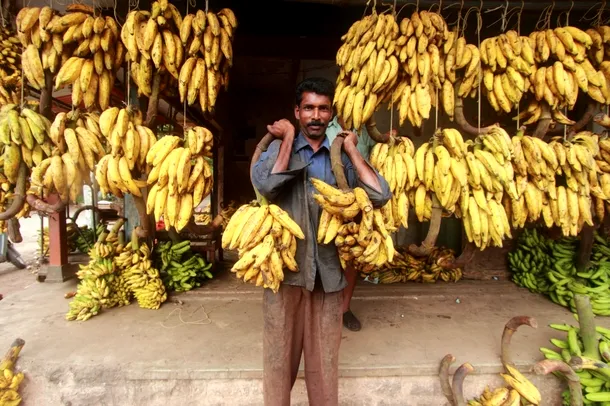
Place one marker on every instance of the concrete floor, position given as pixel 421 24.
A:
pixel 204 347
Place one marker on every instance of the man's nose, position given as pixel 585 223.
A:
pixel 316 113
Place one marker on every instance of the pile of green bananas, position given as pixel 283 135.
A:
pixel 546 266
pixel 183 270
pixel 405 267
pixel 82 241
pixel 591 368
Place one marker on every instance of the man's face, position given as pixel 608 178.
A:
pixel 314 114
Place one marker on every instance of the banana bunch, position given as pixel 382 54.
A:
pixel 602 159
pixel 537 166
pixel 9 380
pixel 507 63
pixel 265 237
pixel 530 261
pixel 183 270
pixel 78 144
pixel 25 137
pixel 395 163
pixel 405 267
pixel 208 42
pixel 594 379
pixel 368 243
pixel 141 278
pixel 96 278
pixel 118 172
pixel 502 396
pixel 181 176
pixel 10 67
pixel 79 48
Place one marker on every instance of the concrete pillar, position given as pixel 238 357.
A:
pixel 58 269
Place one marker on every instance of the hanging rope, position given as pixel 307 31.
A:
pixel 519 34
pixel 479 26
pixel 206 6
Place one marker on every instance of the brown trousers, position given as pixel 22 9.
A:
pixel 296 321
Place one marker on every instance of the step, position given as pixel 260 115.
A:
pixel 204 347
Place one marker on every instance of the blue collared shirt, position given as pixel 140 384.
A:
pixel 293 191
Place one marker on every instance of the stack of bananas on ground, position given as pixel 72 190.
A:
pixel 9 380
pixel 141 278
pixel 10 67
pixel 368 243
pixel 370 58
pixel 82 238
pixel 208 41
pixel 595 374
pixel 98 277
pixel 265 237
pixel 181 177
pixel 543 265
pixel 519 390
pixel 80 48
pixel 78 145
pixel 26 138
pixel 118 172
pixel 405 267
pixel 394 161
pixel 154 46
pixel 181 268
pixel 564 58
pixel 507 62
pixel 541 192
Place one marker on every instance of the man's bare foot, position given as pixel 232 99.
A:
pixel 351 322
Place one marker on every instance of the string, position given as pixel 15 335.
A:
pixel 597 15
pixel 202 322
pixel 22 72
pixel 436 113
pixel 519 34
pixel 206 6
pixel 479 26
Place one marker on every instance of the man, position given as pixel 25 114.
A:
pixel 305 314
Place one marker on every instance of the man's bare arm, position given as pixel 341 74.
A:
pixel 283 130
pixel 364 171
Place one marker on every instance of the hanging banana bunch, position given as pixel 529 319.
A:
pixel 181 176
pixel 81 49
pixel 373 50
pixel 78 145
pixel 208 43
pixel 118 171
pixel 10 67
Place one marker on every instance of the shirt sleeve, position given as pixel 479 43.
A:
pixel 268 184
pixel 378 199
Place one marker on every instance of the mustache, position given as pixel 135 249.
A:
pixel 315 123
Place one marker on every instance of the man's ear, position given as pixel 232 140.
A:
pixel 296 112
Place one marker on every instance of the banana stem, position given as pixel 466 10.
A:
pixel 261 147
pixel 444 377
pixel 586 320
pixel 543 122
pixel 458 384
pixel 117 226
pixel 337 163
pixel 580 363
pixel 44 207
pixel 144 229
pixel 435 226
pixel 135 241
pixel 585 248
pixel 509 329
pixel 548 366
pixel 374 133
pixel 460 119
pixel 153 101
pixel 19 198
pixel 14 233
pixel 11 355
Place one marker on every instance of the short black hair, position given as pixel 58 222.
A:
pixel 316 85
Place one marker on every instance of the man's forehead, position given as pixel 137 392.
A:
pixel 311 98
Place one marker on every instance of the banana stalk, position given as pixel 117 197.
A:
pixel 42 206
pixel 465 126
pixel 457 386
pixel 444 377
pixel 375 134
pixel 336 162
pixel 509 329
pixel 19 199
pixel 548 366
pixel 543 122
pixel 435 226
pixel 460 262
pixel 14 234
pixel 261 147
pixel 153 102
pixel 587 326
pixel 11 355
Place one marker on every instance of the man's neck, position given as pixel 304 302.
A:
pixel 315 143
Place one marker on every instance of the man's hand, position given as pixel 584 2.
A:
pixel 281 129
pixel 350 137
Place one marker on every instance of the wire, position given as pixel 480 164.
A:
pixel 479 26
